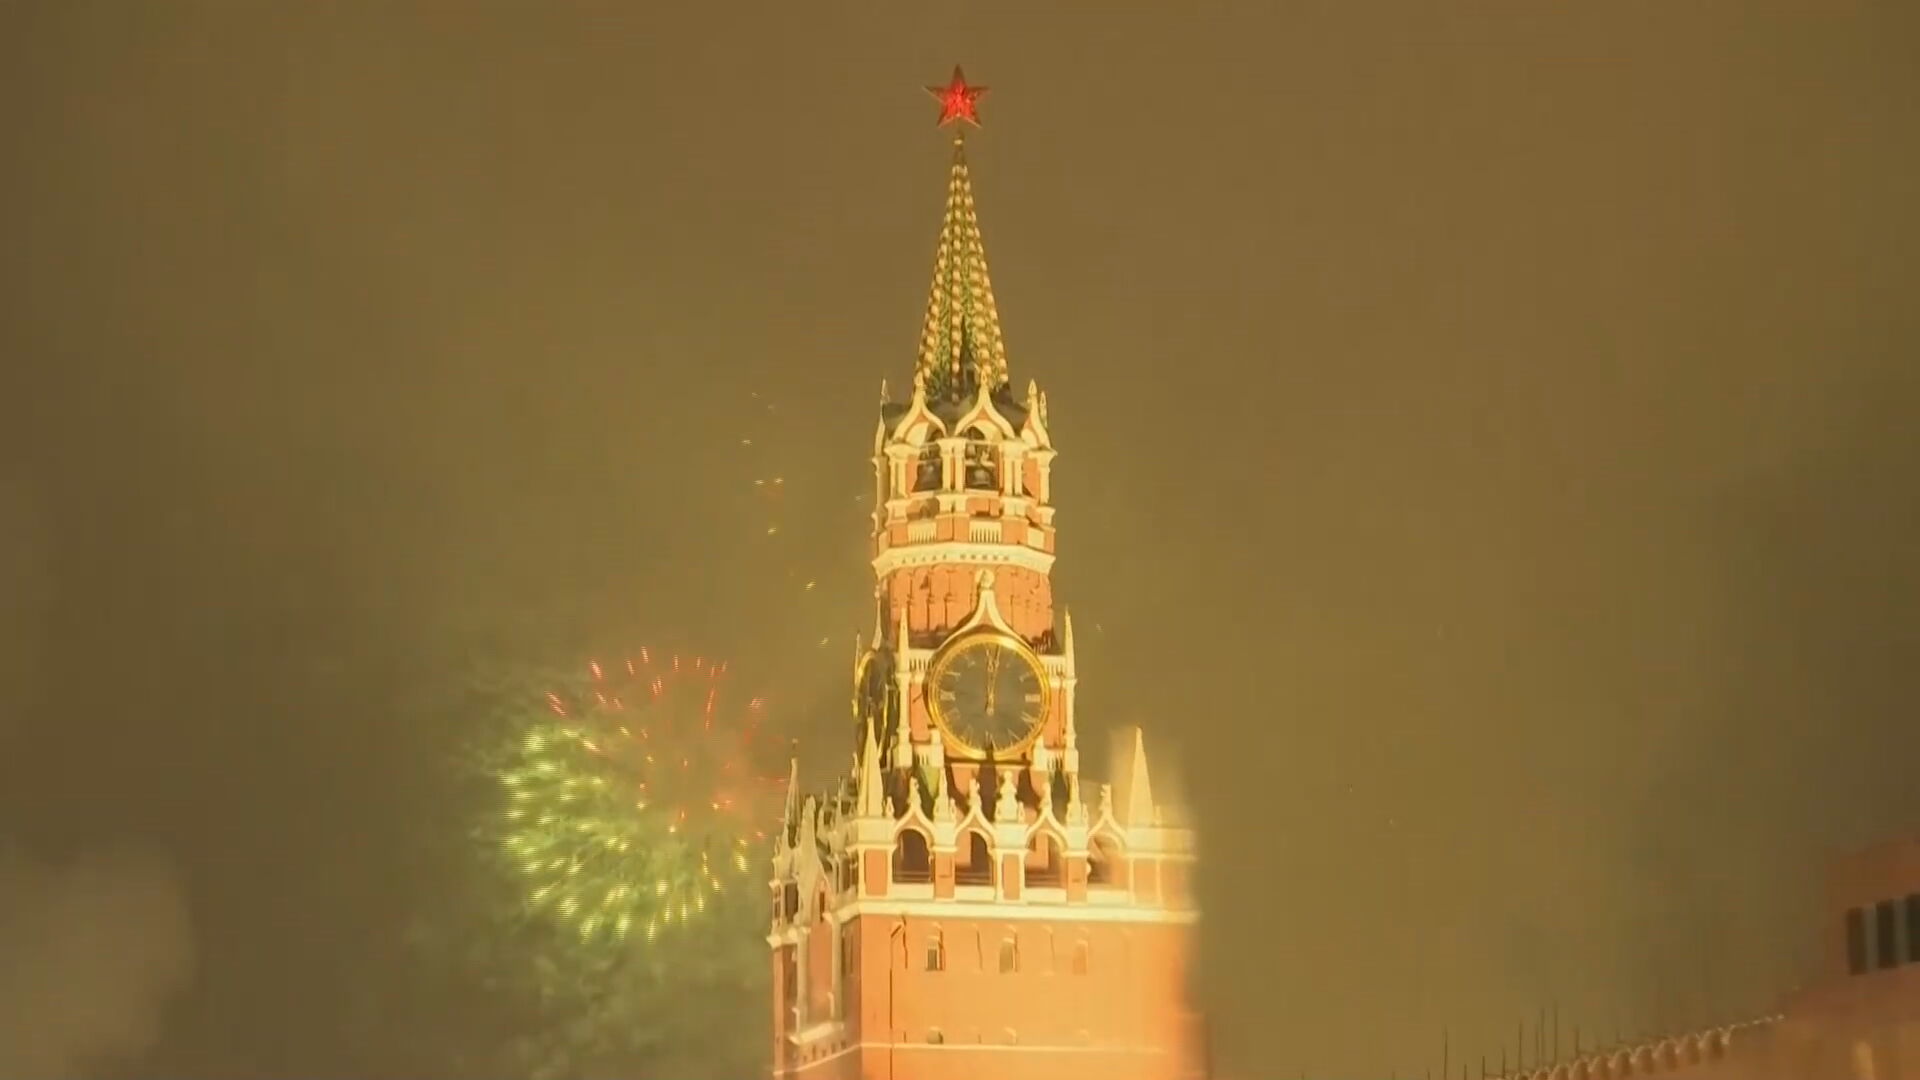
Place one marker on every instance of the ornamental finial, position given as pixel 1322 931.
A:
pixel 958 101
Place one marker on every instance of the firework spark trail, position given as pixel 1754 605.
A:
pixel 772 496
pixel 634 798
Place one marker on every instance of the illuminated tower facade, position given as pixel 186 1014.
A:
pixel 968 902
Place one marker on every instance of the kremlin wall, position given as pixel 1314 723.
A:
pixel 1859 1019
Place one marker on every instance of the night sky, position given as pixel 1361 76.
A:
pixel 1488 468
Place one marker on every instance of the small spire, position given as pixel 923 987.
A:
pixel 791 814
pixel 942 794
pixel 1139 787
pixel 1006 803
pixel 871 795
pixel 859 657
pixel 1076 809
pixel 808 816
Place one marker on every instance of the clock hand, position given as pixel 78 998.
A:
pixel 993 678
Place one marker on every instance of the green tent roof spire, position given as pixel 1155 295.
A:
pixel 960 344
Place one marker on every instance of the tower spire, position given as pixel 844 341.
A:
pixel 1140 805
pixel 960 344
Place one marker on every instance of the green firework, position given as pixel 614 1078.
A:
pixel 637 798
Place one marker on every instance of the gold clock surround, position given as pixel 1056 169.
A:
pixel 961 646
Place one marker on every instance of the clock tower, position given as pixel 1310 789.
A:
pixel 968 902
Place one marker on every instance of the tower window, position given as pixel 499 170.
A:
pixel 1913 929
pixel 1886 945
pixel 912 860
pixel 926 473
pixel 1009 957
pixel 936 953
pixel 977 868
pixel 1856 941
pixel 982 463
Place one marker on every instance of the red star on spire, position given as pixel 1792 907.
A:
pixel 958 101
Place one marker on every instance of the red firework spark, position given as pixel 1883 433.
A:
pixel 739 748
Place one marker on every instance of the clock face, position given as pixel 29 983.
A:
pixel 988 691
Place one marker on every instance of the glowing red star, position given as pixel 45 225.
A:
pixel 958 101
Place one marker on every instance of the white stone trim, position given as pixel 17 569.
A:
pixel 814 1033
pixel 952 1047
pixel 906 556
pixel 890 906
pixel 1145 1051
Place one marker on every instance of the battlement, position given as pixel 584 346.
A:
pixel 1697 1053
pixel 1857 1021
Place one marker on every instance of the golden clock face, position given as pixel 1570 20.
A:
pixel 988 690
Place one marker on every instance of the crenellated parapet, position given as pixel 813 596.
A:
pixel 1703 1051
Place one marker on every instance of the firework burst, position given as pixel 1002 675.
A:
pixel 638 796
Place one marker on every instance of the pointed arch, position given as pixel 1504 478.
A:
pixel 927 469
pixel 1046 861
pixel 973 861
pixel 981 460
pixel 1107 863
pixel 919 426
pixel 912 856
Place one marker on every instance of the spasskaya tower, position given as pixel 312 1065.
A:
pixel 968 902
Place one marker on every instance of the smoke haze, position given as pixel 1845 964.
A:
pixel 93 950
pixel 92 947
pixel 1487 466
